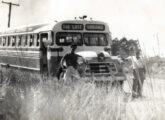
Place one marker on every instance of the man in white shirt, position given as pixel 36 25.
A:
pixel 139 75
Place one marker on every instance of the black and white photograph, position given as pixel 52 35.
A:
pixel 82 59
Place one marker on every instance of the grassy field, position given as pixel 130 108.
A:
pixel 49 100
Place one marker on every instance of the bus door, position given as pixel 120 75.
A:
pixel 44 66
pixel 47 41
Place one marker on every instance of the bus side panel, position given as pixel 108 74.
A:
pixel 21 59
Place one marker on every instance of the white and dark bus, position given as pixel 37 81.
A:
pixel 40 47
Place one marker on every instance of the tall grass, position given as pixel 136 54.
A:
pixel 50 100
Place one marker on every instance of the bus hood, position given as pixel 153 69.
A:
pixel 88 55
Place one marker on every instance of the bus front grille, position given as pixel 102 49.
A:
pixel 101 68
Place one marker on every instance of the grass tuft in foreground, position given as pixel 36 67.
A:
pixel 26 99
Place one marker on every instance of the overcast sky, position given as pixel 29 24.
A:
pixel 133 19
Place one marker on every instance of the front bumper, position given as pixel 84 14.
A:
pixel 105 78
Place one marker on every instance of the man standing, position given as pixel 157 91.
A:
pixel 139 75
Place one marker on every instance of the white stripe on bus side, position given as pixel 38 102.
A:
pixel 37 69
pixel 20 51
pixel 24 54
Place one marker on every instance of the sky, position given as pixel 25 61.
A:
pixel 134 19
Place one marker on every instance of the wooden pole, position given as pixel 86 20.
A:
pixel 9 17
pixel 10 7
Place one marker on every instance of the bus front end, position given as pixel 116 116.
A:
pixel 103 68
pixel 93 40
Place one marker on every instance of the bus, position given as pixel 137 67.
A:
pixel 40 48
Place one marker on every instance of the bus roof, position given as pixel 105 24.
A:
pixel 46 27
pixel 27 29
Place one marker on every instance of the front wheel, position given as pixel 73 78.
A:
pixel 118 84
pixel 115 86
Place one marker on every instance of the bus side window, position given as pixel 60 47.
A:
pixel 4 42
pixel 31 40
pixel 52 35
pixel 44 37
pixel 28 40
pixel 47 38
pixel 13 41
pixel 35 40
pixel 9 41
pixel 38 40
pixel 18 40
pixel 1 41
pixel 24 40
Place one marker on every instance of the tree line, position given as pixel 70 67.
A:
pixel 123 47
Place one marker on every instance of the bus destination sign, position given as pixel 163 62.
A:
pixel 69 26
pixel 99 27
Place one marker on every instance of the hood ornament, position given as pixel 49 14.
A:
pixel 101 57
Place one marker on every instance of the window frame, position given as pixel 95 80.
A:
pixel 4 41
pixel 79 33
pixel 98 40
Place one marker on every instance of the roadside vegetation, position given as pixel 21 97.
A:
pixel 50 100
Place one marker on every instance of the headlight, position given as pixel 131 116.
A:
pixel 80 60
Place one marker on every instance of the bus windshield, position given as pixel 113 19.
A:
pixel 95 39
pixel 67 38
